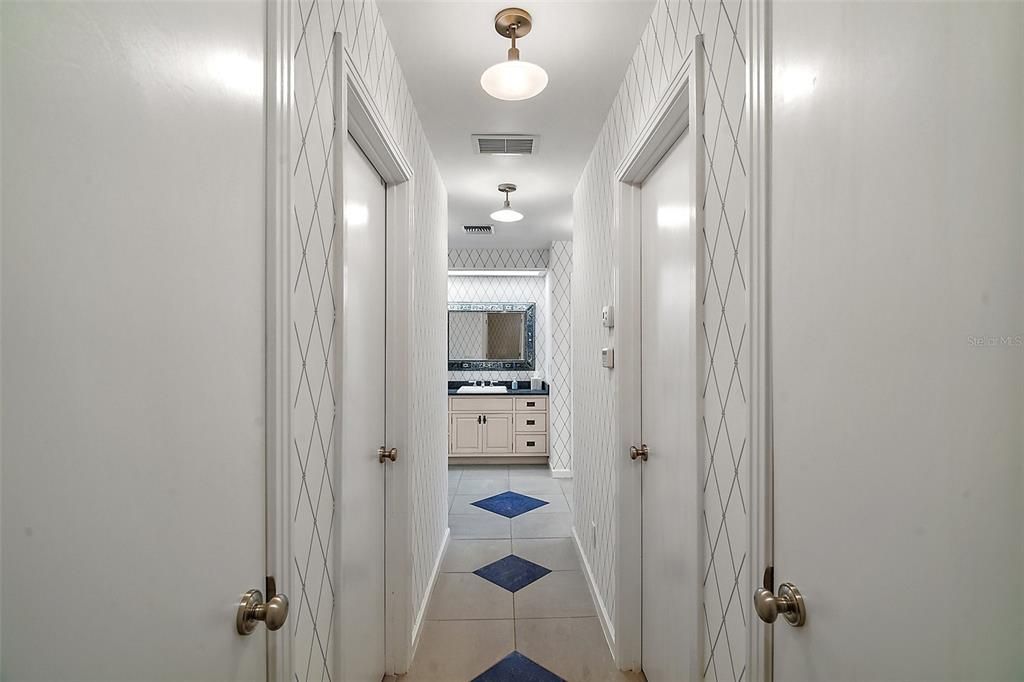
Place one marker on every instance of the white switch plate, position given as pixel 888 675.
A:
pixel 608 316
pixel 608 357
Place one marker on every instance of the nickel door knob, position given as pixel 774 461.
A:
pixel 641 452
pixel 789 602
pixel 252 609
pixel 385 454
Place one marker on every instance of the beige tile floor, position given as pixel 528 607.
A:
pixel 472 624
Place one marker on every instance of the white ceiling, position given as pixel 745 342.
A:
pixel 443 47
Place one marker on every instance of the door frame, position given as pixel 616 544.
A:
pixel 669 120
pixel 278 321
pixel 760 531
pixel 354 104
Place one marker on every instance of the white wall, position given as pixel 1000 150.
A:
pixel 314 24
pixel 665 42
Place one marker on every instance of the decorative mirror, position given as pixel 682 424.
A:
pixel 491 336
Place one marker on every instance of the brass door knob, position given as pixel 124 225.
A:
pixel 789 602
pixel 641 452
pixel 385 454
pixel 252 609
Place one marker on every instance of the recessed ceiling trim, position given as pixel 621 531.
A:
pixel 505 145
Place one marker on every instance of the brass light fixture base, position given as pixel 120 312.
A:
pixel 513 16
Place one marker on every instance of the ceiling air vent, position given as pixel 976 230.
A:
pixel 518 145
pixel 478 229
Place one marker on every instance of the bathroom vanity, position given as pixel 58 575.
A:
pixel 496 424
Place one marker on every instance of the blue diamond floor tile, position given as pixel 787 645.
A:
pixel 518 668
pixel 509 504
pixel 512 572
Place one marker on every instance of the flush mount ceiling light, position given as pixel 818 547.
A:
pixel 513 79
pixel 506 214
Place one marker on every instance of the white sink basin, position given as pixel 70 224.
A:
pixel 483 389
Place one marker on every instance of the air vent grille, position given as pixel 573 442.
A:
pixel 520 145
pixel 478 229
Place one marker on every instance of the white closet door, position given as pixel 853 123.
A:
pixel 671 512
pixel 361 420
pixel 898 271
pixel 133 339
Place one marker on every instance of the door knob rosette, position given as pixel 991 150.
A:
pixel 252 609
pixel 789 602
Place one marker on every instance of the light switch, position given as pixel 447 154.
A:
pixel 608 357
pixel 608 316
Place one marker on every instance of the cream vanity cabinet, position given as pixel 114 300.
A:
pixel 498 426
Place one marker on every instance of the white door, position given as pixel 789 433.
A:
pixel 671 574
pixel 362 419
pixel 133 339
pixel 898 279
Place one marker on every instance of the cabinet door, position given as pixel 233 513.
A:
pixel 497 433
pixel 465 433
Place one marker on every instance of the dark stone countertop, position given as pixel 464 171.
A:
pixel 453 389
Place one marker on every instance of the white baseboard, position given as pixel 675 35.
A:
pixel 602 610
pixel 561 473
pixel 421 612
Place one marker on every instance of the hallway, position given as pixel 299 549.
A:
pixel 544 612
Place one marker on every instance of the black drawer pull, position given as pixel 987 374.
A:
pixel 531 403
pixel 530 443
pixel 531 422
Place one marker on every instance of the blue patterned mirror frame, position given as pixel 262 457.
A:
pixel 529 360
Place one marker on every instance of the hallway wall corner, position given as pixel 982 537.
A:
pixel 314 577
pixel 662 52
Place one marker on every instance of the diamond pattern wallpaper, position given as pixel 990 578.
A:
pixel 314 24
pixel 498 259
pixel 666 41
pixel 488 289
pixel 560 362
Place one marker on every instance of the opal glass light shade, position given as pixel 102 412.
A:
pixel 506 215
pixel 514 80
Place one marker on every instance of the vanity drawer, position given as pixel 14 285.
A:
pixel 527 443
pixel 538 403
pixel 481 404
pixel 530 422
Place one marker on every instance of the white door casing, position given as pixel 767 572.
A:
pixel 672 581
pixel 679 111
pixel 134 278
pixel 895 290
pixel 356 111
